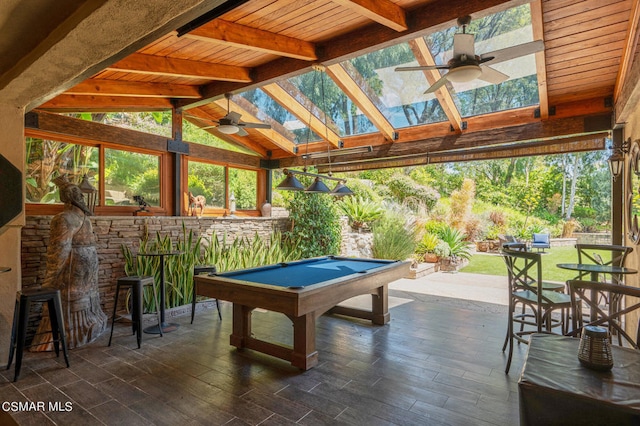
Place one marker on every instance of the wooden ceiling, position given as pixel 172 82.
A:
pixel 589 48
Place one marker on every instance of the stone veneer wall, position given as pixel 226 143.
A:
pixel 114 231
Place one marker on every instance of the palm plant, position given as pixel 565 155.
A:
pixel 455 239
pixel 360 212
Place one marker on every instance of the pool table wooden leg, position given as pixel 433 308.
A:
pixel 241 326
pixel 304 354
pixel 380 306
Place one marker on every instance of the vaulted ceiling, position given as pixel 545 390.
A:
pixel 588 50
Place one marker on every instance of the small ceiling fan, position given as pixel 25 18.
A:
pixel 230 124
pixel 465 65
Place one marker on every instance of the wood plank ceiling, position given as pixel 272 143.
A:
pixel 588 50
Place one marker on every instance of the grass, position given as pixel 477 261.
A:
pixel 492 264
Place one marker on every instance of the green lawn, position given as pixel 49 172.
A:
pixel 492 264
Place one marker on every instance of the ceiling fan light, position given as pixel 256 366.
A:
pixel 228 129
pixel 464 73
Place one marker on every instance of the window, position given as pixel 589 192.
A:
pixel 243 185
pixel 46 159
pixel 129 173
pixel 209 181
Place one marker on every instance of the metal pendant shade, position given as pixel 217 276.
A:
pixel 290 183
pixel 341 190
pixel 318 186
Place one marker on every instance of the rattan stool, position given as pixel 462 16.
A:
pixel 21 322
pixel 136 285
pixel 197 270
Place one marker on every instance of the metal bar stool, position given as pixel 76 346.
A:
pixel 197 270
pixel 136 284
pixel 21 322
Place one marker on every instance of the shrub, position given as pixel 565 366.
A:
pixel 456 242
pixel 403 187
pixel 315 223
pixel 360 212
pixel 431 243
pixel 393 238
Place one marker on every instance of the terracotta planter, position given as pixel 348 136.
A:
pixel 482 246
pixel 431 258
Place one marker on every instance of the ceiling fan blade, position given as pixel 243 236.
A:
pixel 438 84
pixel 512 52
pixel 233 116
pixel 423 68
pixel 241 132
pixel 463 45
pixel 492 76
pixel 255 125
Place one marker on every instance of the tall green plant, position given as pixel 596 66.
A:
pixel 456 241
pixel 315 223
pixel 393 238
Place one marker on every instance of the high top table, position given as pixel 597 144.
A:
pixel 596 270
pixel 555 389
pixel 166 327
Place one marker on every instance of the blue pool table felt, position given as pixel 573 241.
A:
pixel 305 273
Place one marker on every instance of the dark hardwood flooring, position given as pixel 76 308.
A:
pixel 438 362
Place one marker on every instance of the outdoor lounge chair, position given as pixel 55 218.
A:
pixel 541 241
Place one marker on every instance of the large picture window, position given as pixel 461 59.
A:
pixel 127 174
pixel 208 180
pixel 243 185
pixel 46 159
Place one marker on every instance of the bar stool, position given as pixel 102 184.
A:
pixel 197 270
pixel 24 300
pixel 136 284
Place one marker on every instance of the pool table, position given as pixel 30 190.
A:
pixel 302 290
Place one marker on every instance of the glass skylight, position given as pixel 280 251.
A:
pixel 398 95
pixel 268 107
pixel 346 116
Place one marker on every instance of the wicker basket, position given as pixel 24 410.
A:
pixel 595 349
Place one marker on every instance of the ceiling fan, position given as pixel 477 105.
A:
pixel 465 65
pixel 230 124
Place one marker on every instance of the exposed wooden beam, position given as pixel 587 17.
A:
pixel 74 129
pixel 202 119
pixel 541 69
pixel 292 104
pixel 351 84
pixel 526 149
pixel 628 54
pixel 425 58
pixel 95 87
pixel 156 65
pixel 80 103
pixel 220 31
pixel 276 137
pixel 541 130
pixel 381 11
pixel 424 19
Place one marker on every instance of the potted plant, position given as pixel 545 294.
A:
pixel 431 248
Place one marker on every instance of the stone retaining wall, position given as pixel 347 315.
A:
pixel 114 231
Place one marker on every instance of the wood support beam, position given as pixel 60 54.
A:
pixel 628 54
pixel 381 11
pixel 92 103
pixel 220 31
pixel 156 65
pixel 541 69
pixel 423 56
pixel 351 83
pixel 525 149
pixel 66 128
pixel 275 136
pixel 423 20
pixel 539 131
pixel 202 119
pixel 97 87
pixel 292 103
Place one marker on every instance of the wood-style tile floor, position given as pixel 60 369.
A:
pixel 437 362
